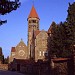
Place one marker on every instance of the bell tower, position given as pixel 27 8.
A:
pixel 33 24
pixel 33 20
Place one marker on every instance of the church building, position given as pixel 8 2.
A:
pixel 37 41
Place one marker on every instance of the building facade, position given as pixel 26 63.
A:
pixel 33 24
pixel 19 52
pixel 37 41
pixel 40 44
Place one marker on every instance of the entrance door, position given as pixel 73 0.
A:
pixel 18 67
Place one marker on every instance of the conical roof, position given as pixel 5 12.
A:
pixel 33 13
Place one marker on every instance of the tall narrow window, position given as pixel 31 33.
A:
pixel 43 53
pixel 39 53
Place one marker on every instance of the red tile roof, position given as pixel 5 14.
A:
pixel 37 32
pixel 60 59
pixel 13 49
pixel 33 13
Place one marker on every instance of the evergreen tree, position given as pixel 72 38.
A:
pixel 65 51
pixel 57 41
pixel 6 6
pixel 53 40
pixel 70 28
pixel 62 37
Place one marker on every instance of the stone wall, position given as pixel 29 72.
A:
pixel 41 45
pixel 30 67
pixel 62 66
pixel 59 66
pixel 3 66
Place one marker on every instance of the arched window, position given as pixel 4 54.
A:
pixel 34 21
pixel 43 53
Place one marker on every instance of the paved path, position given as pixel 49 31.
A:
pixel 10 73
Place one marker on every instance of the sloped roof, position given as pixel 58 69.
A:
pixel 33 13
pixel 37 32
pixel 13 49
pixel 50 28
pixel 21 43
pixel 60 59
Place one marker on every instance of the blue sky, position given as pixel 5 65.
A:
pixel 17 25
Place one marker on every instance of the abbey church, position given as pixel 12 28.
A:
pixel 37 41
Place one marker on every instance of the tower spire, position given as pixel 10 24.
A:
pixel 33 25
pixel 33 13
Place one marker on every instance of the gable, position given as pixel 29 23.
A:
pixel 21 45
pixel 42 35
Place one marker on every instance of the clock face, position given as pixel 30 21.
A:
pixel 21 53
